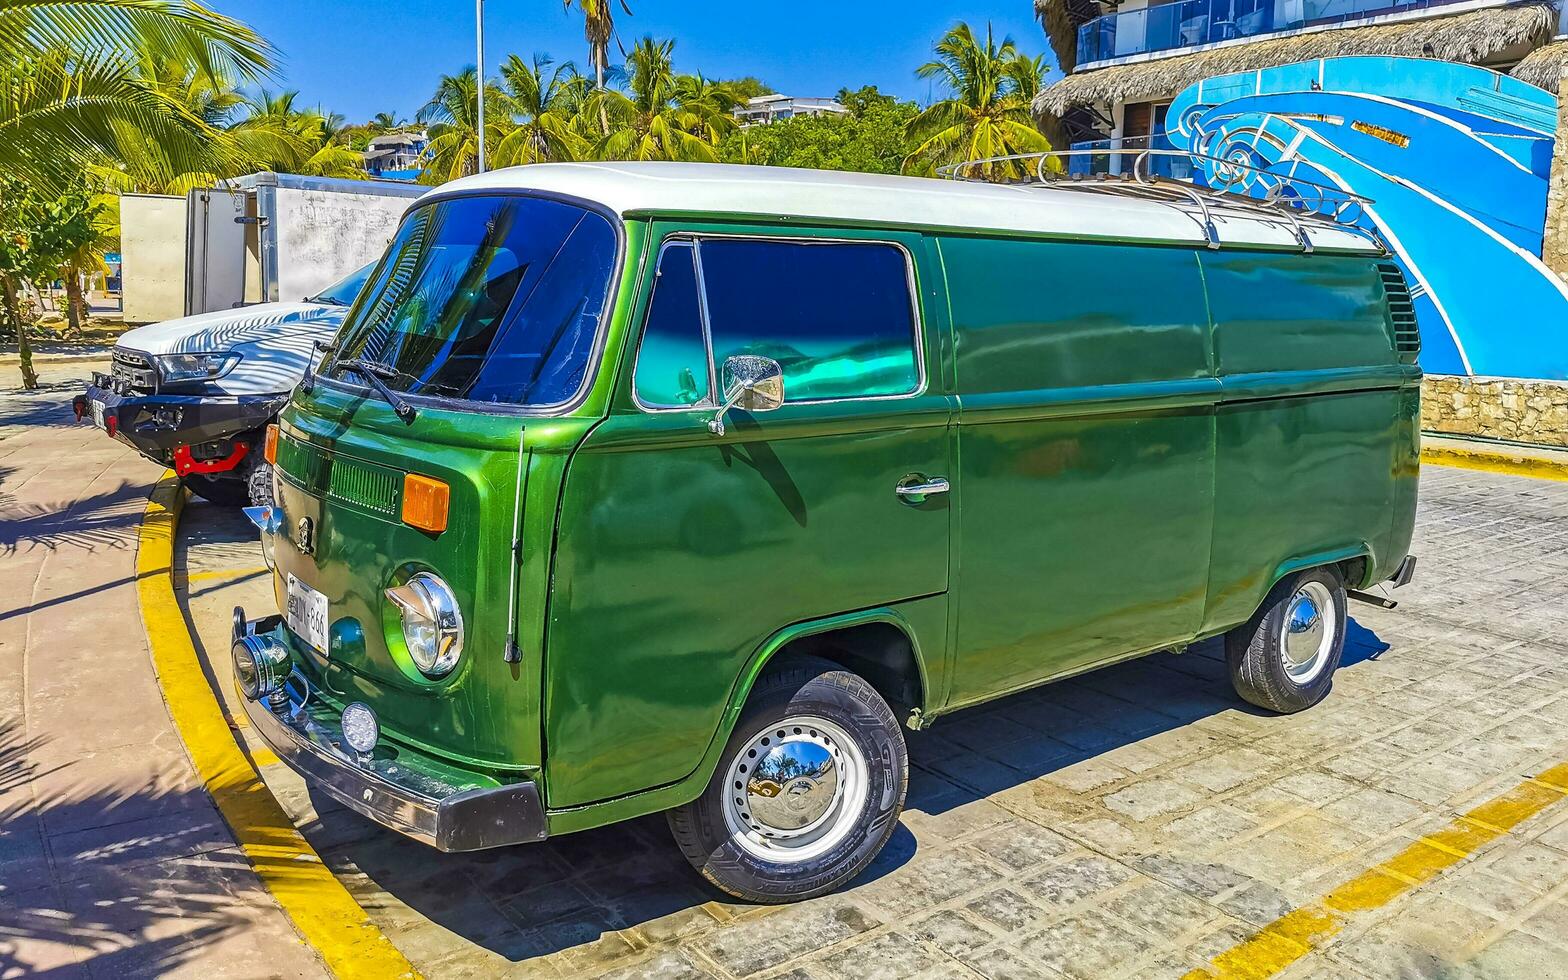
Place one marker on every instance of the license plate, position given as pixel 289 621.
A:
pixel 96 407
pixel 307 613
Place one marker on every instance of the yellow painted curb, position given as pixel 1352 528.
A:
pixel 1298 932
pixel 1495 461
pixel 321 909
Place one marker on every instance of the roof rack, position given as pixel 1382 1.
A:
pixel 1286 198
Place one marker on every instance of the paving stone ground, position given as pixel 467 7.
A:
pixel 1132 822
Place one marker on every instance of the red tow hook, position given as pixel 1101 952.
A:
pixel 79 406
pixel 184 464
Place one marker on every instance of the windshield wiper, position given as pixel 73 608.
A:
pixel 374 372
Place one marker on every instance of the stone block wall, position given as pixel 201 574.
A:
pixel 1554 250
pixel 1516 409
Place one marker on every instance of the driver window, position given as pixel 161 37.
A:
pixel 837 316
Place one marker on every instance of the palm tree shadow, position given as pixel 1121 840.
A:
pixel 102 865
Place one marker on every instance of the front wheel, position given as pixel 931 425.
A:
pixel 807 793
pixel 1284 657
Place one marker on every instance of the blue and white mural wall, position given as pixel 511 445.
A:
pixel 1455 160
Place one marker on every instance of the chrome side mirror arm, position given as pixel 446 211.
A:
pixel 750 382
pixel 716 424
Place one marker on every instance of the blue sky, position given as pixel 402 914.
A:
pixel 360 58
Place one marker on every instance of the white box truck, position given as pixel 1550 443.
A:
pixel 246 280
pixel 261 238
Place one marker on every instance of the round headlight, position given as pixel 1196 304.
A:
pixel 360 728
pixel 432 623
pixel 260 665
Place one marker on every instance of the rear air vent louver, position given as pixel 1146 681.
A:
pixel 1407 336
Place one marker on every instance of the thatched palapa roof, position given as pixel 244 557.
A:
pixel 1470 37
pixel 1061 20
pixel 1544 67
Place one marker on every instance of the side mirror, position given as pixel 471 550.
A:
pixel 751 383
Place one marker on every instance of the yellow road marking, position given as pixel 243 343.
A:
pixel 316 902
pixel 225 573
pixel 1298 932
pixel 1495 462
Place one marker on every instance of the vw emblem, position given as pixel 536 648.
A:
pixel 305 535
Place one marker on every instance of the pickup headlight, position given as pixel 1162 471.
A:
pixel 432 623
pixel 175 368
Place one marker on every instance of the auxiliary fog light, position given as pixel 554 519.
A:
pixel 261 665
pixel 360 728
pixel 432 623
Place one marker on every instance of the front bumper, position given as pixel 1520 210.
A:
pixel 157 425
pixel 394 786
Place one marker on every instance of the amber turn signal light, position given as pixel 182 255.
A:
pixel 425 502
pixel 269 447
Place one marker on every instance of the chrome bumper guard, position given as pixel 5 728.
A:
pixel 393 789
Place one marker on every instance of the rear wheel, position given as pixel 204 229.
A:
pixel 807 793
pixel 1284 657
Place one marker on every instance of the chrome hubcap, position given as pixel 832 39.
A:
pixel 792 786
pixel 795 790
pixel 1308 631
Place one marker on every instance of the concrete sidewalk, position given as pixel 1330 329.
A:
pixel 113 860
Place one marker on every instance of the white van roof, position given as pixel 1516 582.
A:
pixel 723 189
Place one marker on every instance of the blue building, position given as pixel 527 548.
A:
pixel 1441 112
pixel 1126 62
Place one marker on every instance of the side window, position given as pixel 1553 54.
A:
pixel 837 316
pixel 672 363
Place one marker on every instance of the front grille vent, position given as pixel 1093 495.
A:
pixel 1407 335
pixel 133 371
pixel 318 473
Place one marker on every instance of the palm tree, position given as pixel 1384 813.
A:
pixel 663 116
pixel 452 118
pixel 383 122
pixel 276 135
pixel 71 75
pixel 543 98
pixel 598 28
pixel 987 111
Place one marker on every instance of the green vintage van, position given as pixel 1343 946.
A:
pixel 658 487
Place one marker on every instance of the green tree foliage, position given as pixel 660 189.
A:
pixel 986 112
pixel 748 87
pixel 73 87
pixel 662 115
pixel 40 237
pixel 452 120
pixel 543 99
pixel 859 100
pixel 870 139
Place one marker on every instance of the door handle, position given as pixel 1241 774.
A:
pixel 914 490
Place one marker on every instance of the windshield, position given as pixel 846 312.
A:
pixel 489 299
pixel 342 292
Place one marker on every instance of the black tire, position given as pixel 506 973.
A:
pixel 225 491
pixel 258 480
pixel 1260 669
pixel 805 687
